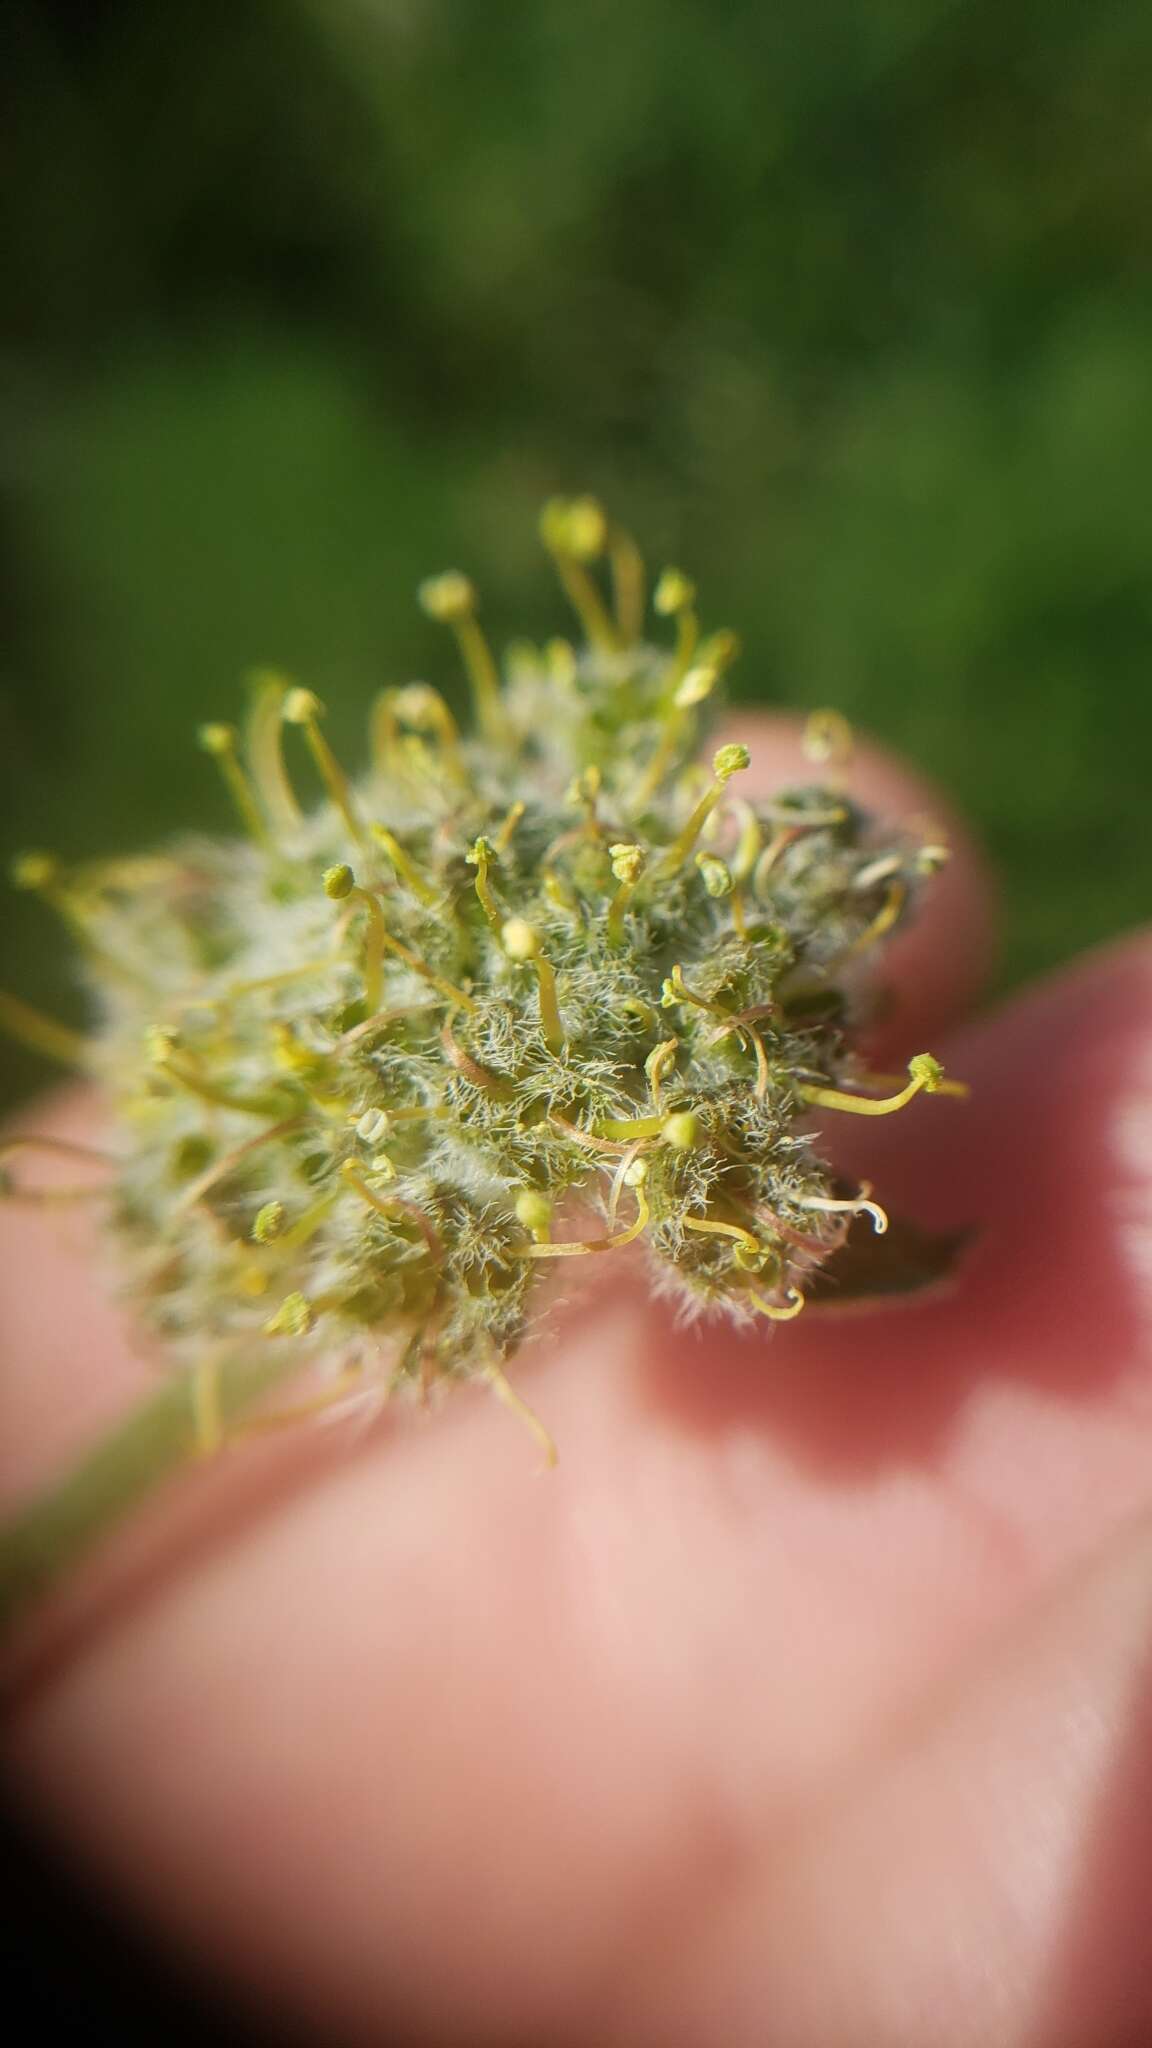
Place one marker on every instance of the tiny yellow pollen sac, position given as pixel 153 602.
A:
pixel 269 1223
pixel 35 872
pixel 715 874
pixel 674 593
pixel 521 941
pixel 627 862
pixel 696 686
pixel 448 597
pixel 373 1126
pixel 293 1318
pixel 339 881
pixel 730 760
pixel 682 1130
pixel 534 1211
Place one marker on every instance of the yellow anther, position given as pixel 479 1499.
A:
pixel 674 990
pixel 682 1130
pixel 534 1211
pixel 373 1126
pixel 726 762
pixel 339 882
pixel 730 760
pixel 675 597
pixel 521 941
pixel 715 874
pixel 674 592
pixel 697 685
pixel 828 738
pixel 448 597
pixel 628 864
pixel 269 1223
pixel 575 527
pixel 627 861
pixel 293 1318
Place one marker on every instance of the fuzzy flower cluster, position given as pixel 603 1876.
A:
pixel 534 994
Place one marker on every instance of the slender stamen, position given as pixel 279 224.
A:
pixel 627 866
pixel 340 885
pixel 726 762
pixel 264 746
pixel 761 1303
pixel 503 1387
pixel 628 579
pixel 582 1247
pixel 451 598
pixel 303 708
pixel 708 1227
pixel 575 531
pixel 862 1205
pixel 521 942
pixel 221 742
pixel 478 856
pixel 924 1072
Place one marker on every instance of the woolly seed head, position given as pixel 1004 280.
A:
pixel 348 978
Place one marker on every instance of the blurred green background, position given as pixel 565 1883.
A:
pixel 848 309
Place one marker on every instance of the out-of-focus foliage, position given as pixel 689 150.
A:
pixel 847 308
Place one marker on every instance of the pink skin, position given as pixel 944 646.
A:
pixel 807 1702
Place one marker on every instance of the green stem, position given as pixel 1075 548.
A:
pixel 43 1541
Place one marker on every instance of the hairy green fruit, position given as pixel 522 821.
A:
pixel 372 1065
